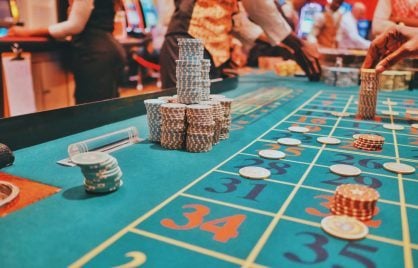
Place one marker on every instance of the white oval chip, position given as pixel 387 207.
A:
pixel 271 154
pixel 393 127
pixel 344 227
pixel 399 168
pixel 289 141
pixel 298 129
pixel 256 173
pixel 388 112
pixel 345 170
pixel 414 126
pixel 328 140
pixel 389 103
pixel 356 136
pixel 340 114
pixel 412 112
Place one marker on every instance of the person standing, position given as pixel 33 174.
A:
pixel 391 12
pixel 326 24
pixel 348 36
pixel 97 58
pixel 212 21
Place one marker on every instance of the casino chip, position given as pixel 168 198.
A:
pixel 8 193
pixel 289 141
pixel 355 200
pixel 298 129
pixel 340 114
pixel 271 154
pixel 390 103
pixel 369 142
pixel 101 171
pixel 414 126
pixel 399 168
pixel 328 140
pixel 6 156
pixel 256 173
pixel 344 227
pixel 412 111
pixel 345 170
pixel 393 127
pixel 356 136
pixel 387 112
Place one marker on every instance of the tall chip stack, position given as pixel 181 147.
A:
pixel 200 128
pixel 368 94
pixel 173 125
pixel 227 117
pixel 154 118
pixel 189 70
pixel 205 79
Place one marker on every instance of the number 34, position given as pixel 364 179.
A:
pixel 222 228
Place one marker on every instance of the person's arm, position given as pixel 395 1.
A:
pixel 77 20
pixel 266 14
pixel 381 18
pixel 245 30
pixel 394 44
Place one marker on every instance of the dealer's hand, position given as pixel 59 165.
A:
pixel 396 43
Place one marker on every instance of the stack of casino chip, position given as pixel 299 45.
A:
pixel 189 70
pixel 173 125
pixel 368 94
pixel 340 76
pixel 101 171
pixel 169 99
pixel 218 118
pixel 205 79
pixel 154 118
pixel 190 48
pixel 355 200
pixel 369 142
pixel 6 156
pixel 227 117
pixel 200 128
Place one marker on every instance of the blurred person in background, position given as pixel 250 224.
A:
pixel 97 58
pixel 348 35
pixel 326 24
pixel 212 21
pixel 391 12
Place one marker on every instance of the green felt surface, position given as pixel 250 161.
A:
pixel 61 229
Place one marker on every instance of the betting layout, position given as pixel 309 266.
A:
pixel 342 177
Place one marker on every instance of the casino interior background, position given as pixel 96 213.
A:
pixel 139 27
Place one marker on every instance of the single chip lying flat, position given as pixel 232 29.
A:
pixel 271 154
pixel 328 140
pixel 289 141
pixel 344 227
pixel 256 173
pixel 298 129
pixel 399 168
pixel 340 114
pixel 345 170
pixel 393 127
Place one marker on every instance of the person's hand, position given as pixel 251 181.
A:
pixel 18 31
pixel 396 43
pixel 306 55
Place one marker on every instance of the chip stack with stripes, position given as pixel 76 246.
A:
pixel 169 99
pixel 205 79
pixel 355 200
pixel 200 128
pixel 101 171
pixel 369 142
pixel 173 125
pixel 189 70
pixel 227 117
pixel 154 118
pixel 368 94
pixel 6 156
pixel 218 115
